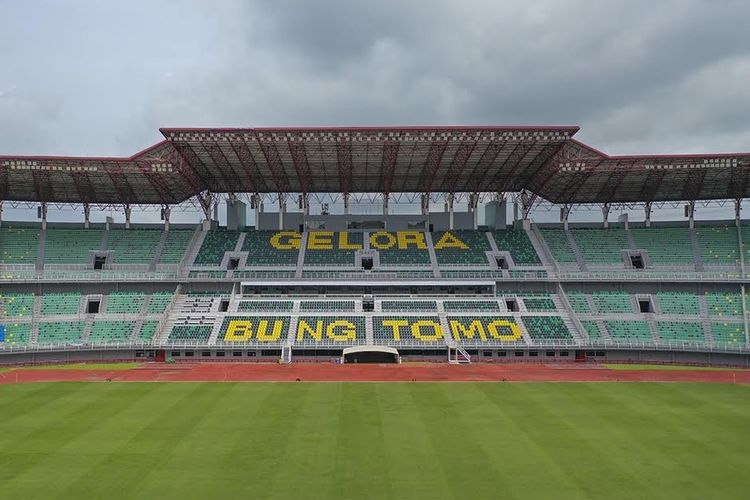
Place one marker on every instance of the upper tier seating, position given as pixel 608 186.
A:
pixel 601 246
pixel 558 245
pixel 408 306
pixel 411 250
pixel 16 334
pixel 71 246
pixel 718 244
pixel 214 245
pixel 728 333
pixel 547 328
pixel 18 245
pixel 327 248
pixel 327 306
pixel 682 303
pixel 612 302
pixel 111 331
pixel 679 331
pixel 190 334
pixel 133 246
pixel 724 304
pixel 125 302
pixel 628 330
pixel 159 302
pixel 665 245
pixel 470 305
pixel 175 246
pixel 579 302
pixel 272 248
pixel 517 243
pixel 16 305
pixel 60 303
pixel 461 247
pixel 266 305
pixel 65 332
pixel 148 331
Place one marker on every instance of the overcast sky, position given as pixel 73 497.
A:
pixel 100 77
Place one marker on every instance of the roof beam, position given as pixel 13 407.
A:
pixel 693 184
pixel 514 159
pixel 248 165
pixel 273 161
pixel 388 164
pixel 296 145
pixel 652 184
pixel 344 162
pixel 224 167
pixel 432 163
pixel 458 163
pixel 488 157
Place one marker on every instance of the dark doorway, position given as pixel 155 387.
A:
pixel 644 305
pixel 99 262
pixel 93 306
pixel 366 263
pixel 501 262
pixel 371 357
pixel 511 304
pixel 224 305
pixel 233 263
pixel 636 261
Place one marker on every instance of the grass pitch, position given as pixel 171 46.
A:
pixel 370 440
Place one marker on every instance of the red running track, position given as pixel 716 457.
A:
pixel 258 372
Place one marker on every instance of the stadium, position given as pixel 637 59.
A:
pixel 318 289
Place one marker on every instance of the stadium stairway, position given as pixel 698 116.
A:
pixel 41 250
pixel 576 251
pixel 158 251
pixel 433 256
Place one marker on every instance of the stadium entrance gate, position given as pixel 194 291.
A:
pixel 370 354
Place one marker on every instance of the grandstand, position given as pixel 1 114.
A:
pixel 435 285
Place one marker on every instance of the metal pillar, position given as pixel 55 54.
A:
pixel 737 211
pixel 127 216
pixel 425 202
pixel 166 211
pixel 385 204
pixel 346 203
pixel 451 199
pixel 605 215
pixel 255 204
pixel 564 214
pixel 282 209
pixel 691 214
pixel 1 214
pixel 86 215
pixel 43 213
pixel 647 209
pixel 473 202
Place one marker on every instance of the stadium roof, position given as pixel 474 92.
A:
pixel 544 160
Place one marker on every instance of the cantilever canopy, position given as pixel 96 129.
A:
pixel 544 160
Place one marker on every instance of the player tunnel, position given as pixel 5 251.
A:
pixel 371 354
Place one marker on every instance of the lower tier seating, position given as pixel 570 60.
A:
pixel 60 303
pixel 621 330
pixel 539 304
pixel 407 329
pixel 254 329
pixel 104 332
pixel 327 306
pixel 16 305
pixel 266 305
pixel 470 305
pixel 190 334
pixel 16 334
pixel 485 330
pixel 148 331
pixel 125 302
pixel 592 329
pixel 65 332
pixel 728 333
pixel 336 330
pixel 546 328
pixel 408 306
pixel 678 331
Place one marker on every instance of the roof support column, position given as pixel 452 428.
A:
pixel 256 205
pixel 282 209
pixel 43 214
pixel 425 202
pixel 1 213
pixel 690 212
pixel 473 202
pixel 737 211
pixel 127 216
pixel 647 209
pixel 165 213
pixel 86 215
pixel 527 203
pixel 564 214
pixel 451 200
pixel 605 215
pixel 385 205
pixel 346 203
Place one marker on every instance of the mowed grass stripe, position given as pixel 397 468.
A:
pixel 334 440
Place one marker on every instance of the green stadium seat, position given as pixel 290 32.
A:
pixel 266 305
pixel 60 303
pixel 190 334
pixel 64 332
pixel 724 304
pixel 718 244
pixel 411 255
pixel 107 332
pixel 612 302
pixel 539 304
pixel 475 243
pixel 133 246
pixel 175 246
pixel 470 305
pixel 579 302
pixel 16 305
pixel 601 246
pixel 71 246
pixel 592 329
pixel 16 334
pixel 629 331
pixel 327 306
pixel 272 248
pixel 159 302
pixel 19 245
pixel 148 331
pixel 517 243
pixel 125 302
pixel 215 244
pixel 682 303
pixel 678 331
pixel 318 254
pixel 728 334
pixel 665 245
pixel 546 328
pixel 558 245
pixel 408 305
